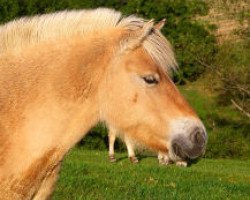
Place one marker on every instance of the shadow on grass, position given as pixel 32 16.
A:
pixel 141 158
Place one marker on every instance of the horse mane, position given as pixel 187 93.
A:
pixel 27 31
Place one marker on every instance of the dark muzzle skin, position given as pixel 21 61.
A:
pixel 191 147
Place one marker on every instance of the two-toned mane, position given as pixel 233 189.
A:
pixel 62 73
pixel 29 31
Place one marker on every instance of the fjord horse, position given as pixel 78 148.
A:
pixel 62 73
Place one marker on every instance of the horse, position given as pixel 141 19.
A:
pixel 114 133
pixel 62 73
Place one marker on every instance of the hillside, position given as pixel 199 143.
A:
pixel 230 17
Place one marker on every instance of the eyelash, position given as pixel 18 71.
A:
pixel 150 80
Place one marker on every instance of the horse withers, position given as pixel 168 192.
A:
pixel 62 73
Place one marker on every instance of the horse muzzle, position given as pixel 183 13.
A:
pixel 190 142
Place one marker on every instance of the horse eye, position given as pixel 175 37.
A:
pixel 151 80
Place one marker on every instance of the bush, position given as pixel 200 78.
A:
pixel 9 9
pixel 233 74
pixel 97 138
pixel 228 138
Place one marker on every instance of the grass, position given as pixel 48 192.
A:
pixel 87 174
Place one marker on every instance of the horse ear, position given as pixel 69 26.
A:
pixel 139 35
pixel 146 30
pixel 160 24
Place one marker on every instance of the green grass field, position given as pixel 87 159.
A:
pixel 87 174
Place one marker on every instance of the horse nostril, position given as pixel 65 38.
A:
pixel 198 137
pixel 178 151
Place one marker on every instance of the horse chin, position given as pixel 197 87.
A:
pixel 177 154
pixel 182 149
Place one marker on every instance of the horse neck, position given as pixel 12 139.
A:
pixel 53 115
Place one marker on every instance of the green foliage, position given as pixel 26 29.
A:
pixel 233 73
pixel 97 138
pixel 8 10
pixel 89 175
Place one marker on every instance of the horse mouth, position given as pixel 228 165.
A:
pixel 186 149
pixel 178 151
